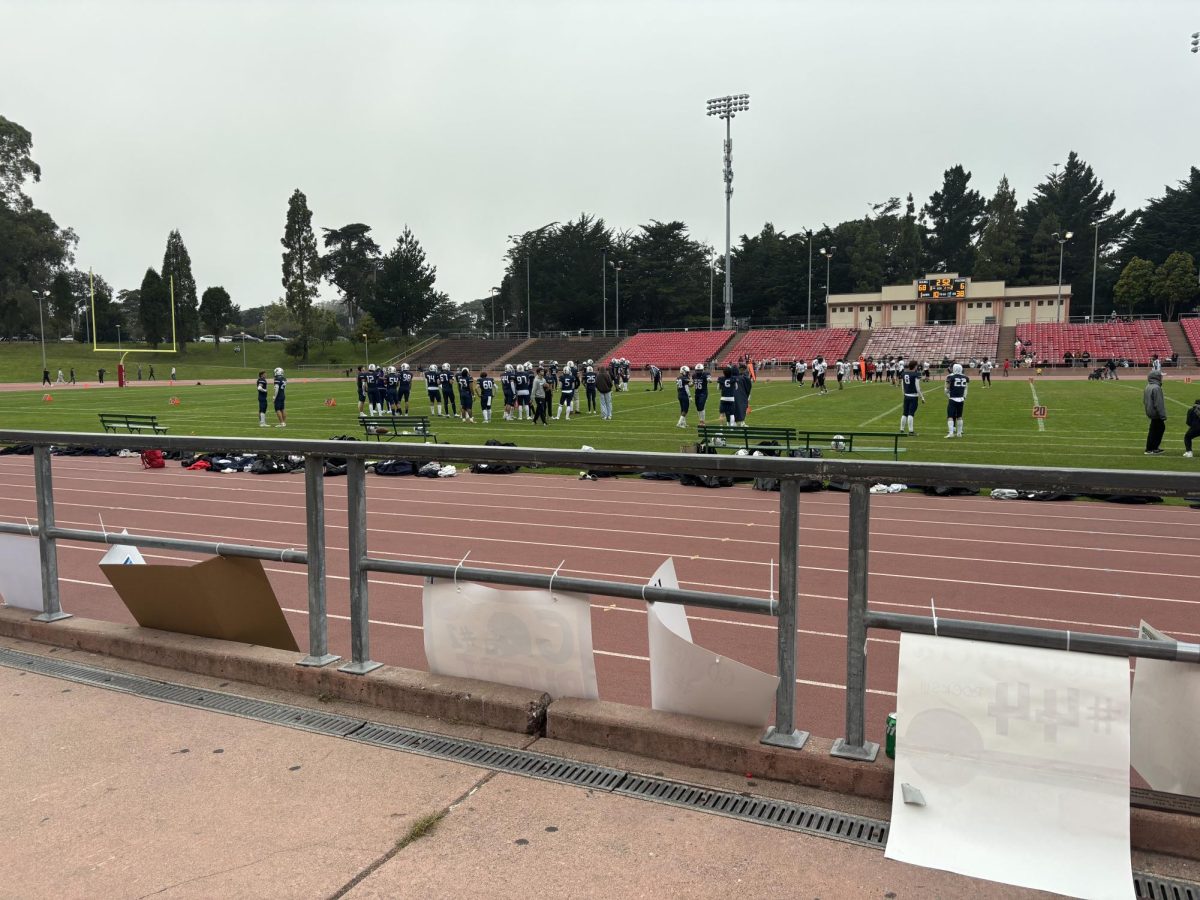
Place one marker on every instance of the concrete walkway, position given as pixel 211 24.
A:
pixel 109 795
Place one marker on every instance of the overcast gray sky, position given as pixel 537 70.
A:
pixel 472 120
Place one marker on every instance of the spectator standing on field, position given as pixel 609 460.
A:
pixel 1156 412
pixel 1193 428
pixel 72 375
pixel 60 379
pixel 45 376
pixel 152 373
pixel 604 387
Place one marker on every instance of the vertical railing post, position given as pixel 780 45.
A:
pixel 854 745
pixel 360 627
pixel 43 486
pixel 783 733
pixel 314 515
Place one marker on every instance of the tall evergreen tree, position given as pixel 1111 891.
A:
pixel 404 295
pixel 104 317
pixel 216 310
pixel 177 265
pixel 955 213
pixel 1041 263
pixel 351 263
pixel 665 279
pixel 999 255
pixel 1169 223
pixel 154 309
pixel 866 257
pixel 910 253
pixel 301 266
pixel 62 304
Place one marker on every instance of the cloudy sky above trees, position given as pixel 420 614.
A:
pixel 469 121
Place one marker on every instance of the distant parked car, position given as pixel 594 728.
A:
pixel 67 340
pixel 249 338
pixel 226 339
pixel 275 338
pixel 207 339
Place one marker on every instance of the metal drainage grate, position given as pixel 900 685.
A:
pixel 1152 887
pixel 760 810
pixel 488 756
pixel 777 813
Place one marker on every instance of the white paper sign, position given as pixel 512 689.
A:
pixel 687 679
pixel 1022 757
pixel 20 572
pixel 523 638
pixel 1166 722
pixel 122 555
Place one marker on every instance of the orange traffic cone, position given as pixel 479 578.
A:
pixel 46 398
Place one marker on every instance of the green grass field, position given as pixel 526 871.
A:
pixel 1089 424
pixel 22 362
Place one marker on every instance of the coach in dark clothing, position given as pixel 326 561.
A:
pixel 1193 428
pixel 1156 412
pixel 604 385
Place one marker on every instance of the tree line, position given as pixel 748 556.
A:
pixel 584 274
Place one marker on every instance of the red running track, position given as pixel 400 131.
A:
pixel 1084 566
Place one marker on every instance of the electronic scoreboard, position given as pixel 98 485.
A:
pixel 941 289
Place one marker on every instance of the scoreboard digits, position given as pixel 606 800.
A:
pixel 941 289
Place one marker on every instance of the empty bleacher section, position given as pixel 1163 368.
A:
pixel 1135 341
pixel 786 345
pixel 672 349
pixel 1191 329
pixel 564 349
pixel 934 342
pixel 467 351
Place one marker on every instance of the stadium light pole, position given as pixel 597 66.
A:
pixel 41 299
pixel 1095 269
pixel 366 352
pixel 726 108
pixel 617 268
pixel 1062 241
pixel 493 292
pixel 604 288
pixel 827 252
pixel 808 321
pixel 523 238
pixel 118 339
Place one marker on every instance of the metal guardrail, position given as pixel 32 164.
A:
pixel 790 472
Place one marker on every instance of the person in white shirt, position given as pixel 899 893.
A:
pixel 801 368
pixel 843 369
pixel 819 368
pixel 985 372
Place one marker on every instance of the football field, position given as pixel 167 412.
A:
pixel 1087 424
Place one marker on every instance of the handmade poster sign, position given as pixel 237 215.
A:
pixel 529 639
pixel 224 597
pixel 686 678
pixel 122 555
pixel 1166 722
pixel 20 572
pixel 1020 759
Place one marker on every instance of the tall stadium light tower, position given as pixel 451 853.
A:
pixel 726 108
pixel 1062 241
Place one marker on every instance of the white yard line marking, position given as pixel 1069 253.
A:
pixel 1040 422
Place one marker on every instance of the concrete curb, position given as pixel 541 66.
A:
pixel 700 743
pixel 451 699
pixel 736 748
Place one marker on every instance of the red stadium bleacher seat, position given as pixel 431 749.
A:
pixel 787 346
pixel 1135 341
pixel 671 349
pixel 1191 330
pixel 933 342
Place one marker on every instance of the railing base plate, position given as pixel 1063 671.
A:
pixel 360 668
pixel 318 661
pixel 866 753
pixel 793 740
pixel 51 617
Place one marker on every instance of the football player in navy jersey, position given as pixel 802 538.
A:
pixel 432 389
pixel 391 386
pixel 487 387
pixel 910 385
pixel 956 391
pixel 589 387
pixel 280 399
pixel 700 390
pixel 446 382
pixel 731 389
pixel 506 385
pixel 466 394
pixel 262 399
pixel 361 383
pixel 522 384
pixel 683 384
pixel 566 394
pixel 370 386
pixel 747 385
pixel 405 387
